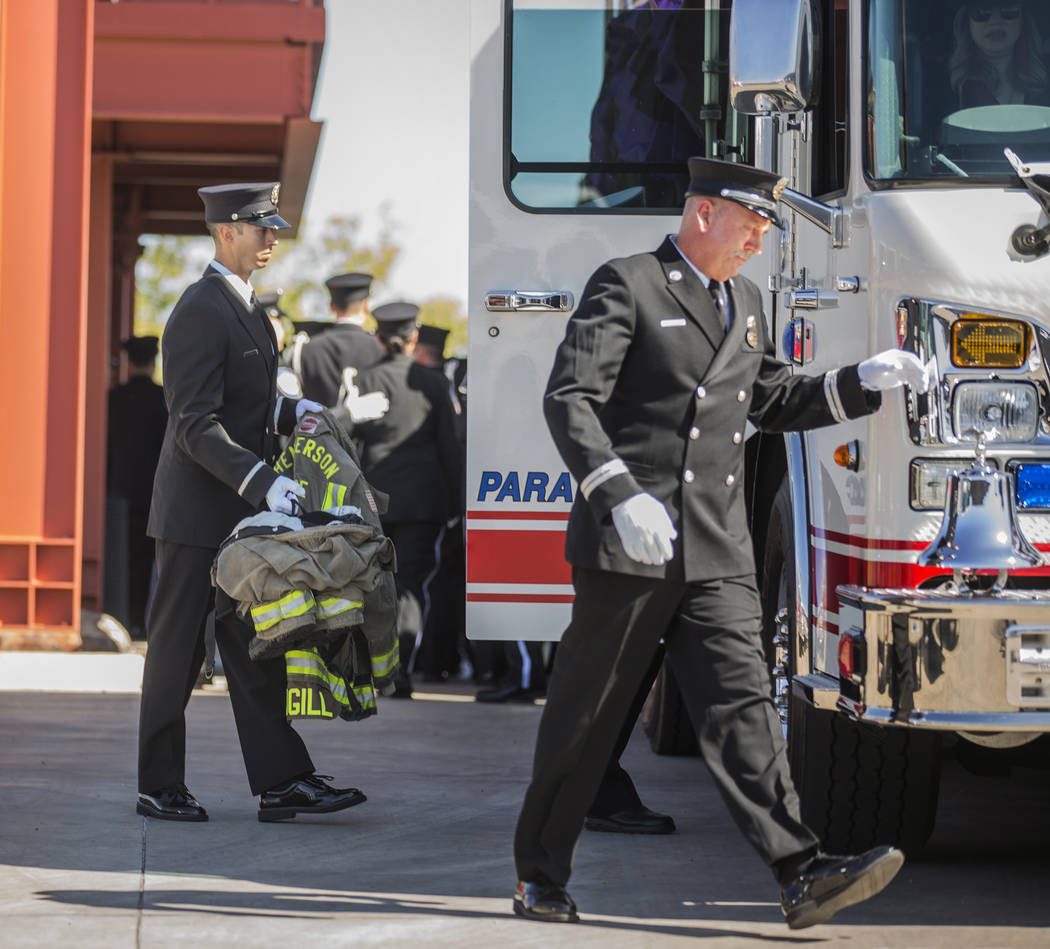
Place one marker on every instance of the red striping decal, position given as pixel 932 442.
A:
pixel 870 543
pixel 516 516
pixel 517 557
pixel 520 597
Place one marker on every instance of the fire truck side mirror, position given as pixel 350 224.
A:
pixel 774 55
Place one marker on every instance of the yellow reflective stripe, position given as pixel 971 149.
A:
pixel 365 696
pixel 334 495
pixel 382 665
pixel 333 605
pixel 308 662
pixel 292 604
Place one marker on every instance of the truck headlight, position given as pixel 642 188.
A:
pixel 929 481
pixel 1002 411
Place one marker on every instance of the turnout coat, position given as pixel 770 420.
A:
pixel 220 368
pixel 649 393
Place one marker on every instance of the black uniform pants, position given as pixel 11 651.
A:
pixel 415 546
pixel 273 751
pixel 711 631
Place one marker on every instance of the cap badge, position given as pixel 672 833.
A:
pixel 778 188
pixel 751 333
pixel 674 276
pixel 274 194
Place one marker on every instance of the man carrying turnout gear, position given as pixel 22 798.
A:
pixel 319 585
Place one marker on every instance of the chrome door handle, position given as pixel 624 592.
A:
pixel 503 301
pixel 812 299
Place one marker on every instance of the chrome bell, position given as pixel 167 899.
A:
pixel 980 529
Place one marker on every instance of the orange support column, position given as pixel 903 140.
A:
pixel 45 117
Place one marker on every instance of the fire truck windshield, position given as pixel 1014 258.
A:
pixel 949 85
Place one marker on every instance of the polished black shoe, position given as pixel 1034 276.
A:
pixel 402 684
pixel 547 902
pixel 309 795
pixel 509 693
pixel 833 883
pixel 634 820
pixel 170 803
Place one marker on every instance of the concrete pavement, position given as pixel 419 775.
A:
pixel 426 861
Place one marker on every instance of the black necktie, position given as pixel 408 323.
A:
pixel 717 290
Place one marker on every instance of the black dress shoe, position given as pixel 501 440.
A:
pixel 833 883
pixel 633 820
pixel 173 802
pixel 309 795
pixel 509 693
pixel 547 902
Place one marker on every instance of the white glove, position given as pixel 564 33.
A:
pixel 306 405
pixel 362 408
pixel 645 529
pixel 283 496
pixel 892 368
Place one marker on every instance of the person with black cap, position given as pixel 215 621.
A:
pixel 136 418
pixel 664 361
pixel 220 362
pixel 322 361
pixel 411 454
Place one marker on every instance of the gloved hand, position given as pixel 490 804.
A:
pixel 306 405
pixel 362 408
pixel 283 496
pixel 645 529
pixel 892 368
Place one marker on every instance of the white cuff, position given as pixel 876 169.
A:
pixel 248 477
pixel 831 393
pixel 600 475
pixel 277 410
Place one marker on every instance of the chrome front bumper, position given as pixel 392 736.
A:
pixel 936 659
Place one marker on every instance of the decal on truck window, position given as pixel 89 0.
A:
pixel 534 486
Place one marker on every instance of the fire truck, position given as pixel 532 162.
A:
pixel 901 556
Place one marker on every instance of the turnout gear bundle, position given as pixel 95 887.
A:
pixel 319 589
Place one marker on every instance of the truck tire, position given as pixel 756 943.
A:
pixel 666 720
pixel 859 785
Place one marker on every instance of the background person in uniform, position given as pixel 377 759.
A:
pixel 413 455
pixel 220 360
pixel 137 416
pixel 322 361
pixel 663 363
pixel 440 653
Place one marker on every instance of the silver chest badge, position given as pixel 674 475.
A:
pixel 674 276
pixel 751 333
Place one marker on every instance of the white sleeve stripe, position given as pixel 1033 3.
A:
pixel 601 474
pixel 248 477
pixel 277 411
pixel 831 393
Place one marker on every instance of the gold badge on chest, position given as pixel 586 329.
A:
pixel 751 333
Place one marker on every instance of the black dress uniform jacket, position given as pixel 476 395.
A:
pixel 411 453
pixel 322 360
pixel 649 393
pixel 219 383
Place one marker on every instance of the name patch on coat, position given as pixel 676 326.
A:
pixel 678 322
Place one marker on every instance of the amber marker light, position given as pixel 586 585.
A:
pixel 988 342
pixel 848 455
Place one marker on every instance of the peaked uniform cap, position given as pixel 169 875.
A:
pixel 271 302
pixel 396 319
pixel 243 203
pixel 433 336
pixel 750 187
pixel 348 288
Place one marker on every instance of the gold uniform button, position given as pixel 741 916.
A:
pixel 688 476
pixel 694 433
pixel 730 480
pixel 741 395
pixel 737 437
pixel 700 392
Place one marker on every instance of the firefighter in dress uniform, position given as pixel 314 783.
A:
pixel 647 403
pixel 224 413
pixel 322 361
pixel 412 453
